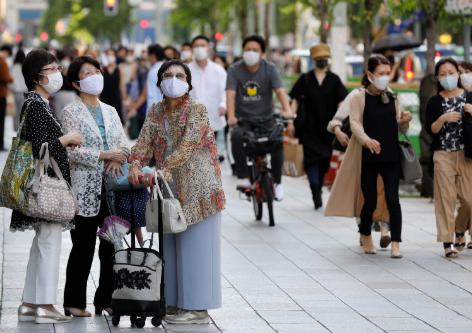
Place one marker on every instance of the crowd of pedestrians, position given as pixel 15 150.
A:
pixel 176 103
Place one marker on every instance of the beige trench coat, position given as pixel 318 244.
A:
pixel 346 198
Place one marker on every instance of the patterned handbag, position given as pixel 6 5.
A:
pixel 18 172
pixel 51 198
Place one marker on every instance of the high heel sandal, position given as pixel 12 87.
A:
pixel 76 312
pixel 395 252
pixel 368 245
pixel 459 245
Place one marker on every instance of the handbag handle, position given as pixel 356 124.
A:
pixel 160 175
pixel 42 165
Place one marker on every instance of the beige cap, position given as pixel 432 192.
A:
pixel 320 51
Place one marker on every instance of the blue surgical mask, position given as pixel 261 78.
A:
pixel 449 82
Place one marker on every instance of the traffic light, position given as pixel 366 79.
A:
pixel 111 7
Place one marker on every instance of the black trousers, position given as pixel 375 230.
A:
pixel 3 113
pixel 390 173
pixel 242 170
pixel 84 237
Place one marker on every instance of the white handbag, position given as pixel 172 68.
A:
pixel 173 218
pixel 50 198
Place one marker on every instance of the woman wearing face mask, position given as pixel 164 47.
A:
pixel 319 92
pixel 114 87
pixel 464 216
pixel 39 125
pixel 178 135
pixel 452 171
pixel 104 148
pixel 373 150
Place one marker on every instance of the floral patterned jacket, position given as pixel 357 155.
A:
pixel 183 144
pixel 86 168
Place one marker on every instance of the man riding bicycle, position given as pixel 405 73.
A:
pixel 249 88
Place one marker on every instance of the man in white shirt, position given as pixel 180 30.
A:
pixel 156 59
pixel 208 82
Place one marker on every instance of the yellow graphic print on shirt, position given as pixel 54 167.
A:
pixel 251 91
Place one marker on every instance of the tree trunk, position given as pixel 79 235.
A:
pixel 323 21
pixel 431 8
pixel 367 33
pixel 267 21
pixel 243 18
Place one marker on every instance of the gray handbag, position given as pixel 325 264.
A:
pixel 410 165
pixel 173 218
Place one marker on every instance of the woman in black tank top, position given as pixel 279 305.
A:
pixel 381 152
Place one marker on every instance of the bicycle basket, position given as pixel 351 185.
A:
pixel 263 141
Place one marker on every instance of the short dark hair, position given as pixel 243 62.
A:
pixel 75 67
pixel 255 38
pixel 34 62
pixel 168 64
pixel 372 63
pixel 20 57
pixel 443 61
pixel 7 48
pixel 186 44
pixel 176 54
pixel 157 51
pixel 466 65
pixel 200 37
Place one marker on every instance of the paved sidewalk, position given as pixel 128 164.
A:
pixel 307 274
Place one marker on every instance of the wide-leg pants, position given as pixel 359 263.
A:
pixel 42 272
pixel 193 266
pixel 452 180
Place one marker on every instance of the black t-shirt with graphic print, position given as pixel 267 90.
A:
pixel 254 91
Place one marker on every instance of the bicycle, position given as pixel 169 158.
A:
pixel 258 143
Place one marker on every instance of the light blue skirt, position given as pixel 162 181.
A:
pixel 193 266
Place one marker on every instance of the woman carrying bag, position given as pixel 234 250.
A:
pixel 445 114
pixel 373 150
pixel 178 135
pixel 103 150
pixel 38 125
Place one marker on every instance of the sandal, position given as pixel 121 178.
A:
pixel 459 245
pixel 385 241
pixel 450 253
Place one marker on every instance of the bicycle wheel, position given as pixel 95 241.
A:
pixel 268 187
pixel 257 206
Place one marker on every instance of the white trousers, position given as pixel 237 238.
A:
pixel 42 273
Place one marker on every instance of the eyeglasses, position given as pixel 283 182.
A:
pixel 180 76
pixel 53 69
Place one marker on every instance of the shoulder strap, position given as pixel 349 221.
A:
pixel 23 114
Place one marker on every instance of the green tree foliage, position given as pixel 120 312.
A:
pixel 207 16
pixel 86 20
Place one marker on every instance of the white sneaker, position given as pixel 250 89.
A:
pixel 279 192
pixel 244 183
pixel 185 317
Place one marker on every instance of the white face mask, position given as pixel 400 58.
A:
pixel 111 59
pixel 251 58
pixel 174 87
pixel 449 82
pixel 54 82
pixel 466 80
pixel 65 63
pixel 381 82
pixel 92 85
pixel 186 55
pixel 200 53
